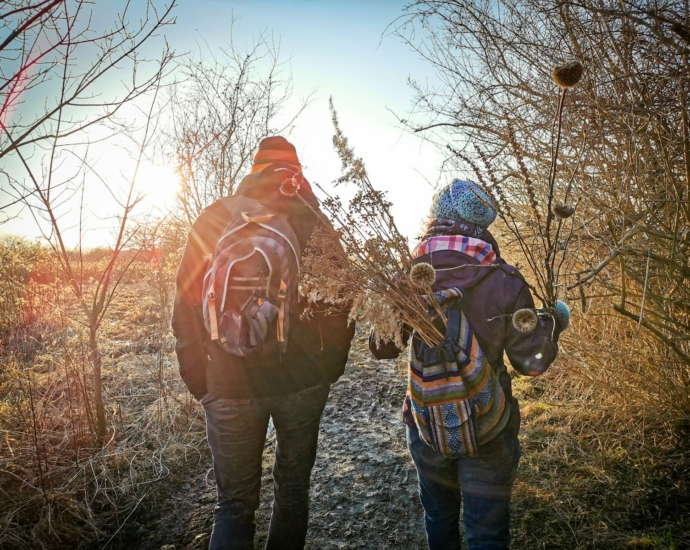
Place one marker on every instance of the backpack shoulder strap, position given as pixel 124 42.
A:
pixel 448 348
pixel 280 225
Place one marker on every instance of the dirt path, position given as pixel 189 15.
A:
pixel 364 486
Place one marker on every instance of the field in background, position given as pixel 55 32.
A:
pixel 605 464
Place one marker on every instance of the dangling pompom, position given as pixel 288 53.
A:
pixel 422 275
pixel 525 320
pixel 566 76
pixel 290 186
pixel 562 210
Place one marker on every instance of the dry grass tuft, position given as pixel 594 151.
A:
pixel 60 489
pixel 606 464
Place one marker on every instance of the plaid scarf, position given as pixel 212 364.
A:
pixel 465 237
pixel 475 248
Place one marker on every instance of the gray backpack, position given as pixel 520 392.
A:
pixel 251 282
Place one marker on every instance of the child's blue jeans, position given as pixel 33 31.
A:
pixel 482 484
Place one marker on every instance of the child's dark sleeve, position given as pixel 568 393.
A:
pixel 531 353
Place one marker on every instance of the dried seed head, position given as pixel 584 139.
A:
pixel 525 320
pixel 373 246
pixel 422 275
pixel 566 76
pixel 562 210
pixel 289 187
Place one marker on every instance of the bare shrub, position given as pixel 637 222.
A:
pixel 59 490
pixel 221 107
pixel 75 466
pixel 624 154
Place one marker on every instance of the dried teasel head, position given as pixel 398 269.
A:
pixel 567 75
pixel 422 275
pixel 562 210
pixel 290 186
pixel 525 320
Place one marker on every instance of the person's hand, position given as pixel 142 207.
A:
pixel 561 313
pixel 406 411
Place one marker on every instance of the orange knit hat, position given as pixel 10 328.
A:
pixel 274 149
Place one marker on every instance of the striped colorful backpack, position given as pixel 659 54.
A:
pixel 251 282
pixel 457 400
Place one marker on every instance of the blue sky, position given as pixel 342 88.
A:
pixel 335 48
pixel 342 49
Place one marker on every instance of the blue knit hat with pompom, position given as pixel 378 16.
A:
pixel 464 201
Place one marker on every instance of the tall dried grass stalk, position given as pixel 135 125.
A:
pixel 536 228
pixel 363 262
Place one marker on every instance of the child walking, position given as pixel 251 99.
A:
pixel 462 419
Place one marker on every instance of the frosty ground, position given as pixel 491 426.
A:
pixel 364 486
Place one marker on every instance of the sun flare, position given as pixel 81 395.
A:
pixel 158 182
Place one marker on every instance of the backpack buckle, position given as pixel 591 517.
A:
pixel 212 312
pixel 282 294
pixel 256 219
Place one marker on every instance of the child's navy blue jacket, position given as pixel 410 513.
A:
pixel 493 294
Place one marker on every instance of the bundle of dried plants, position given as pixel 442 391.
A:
pixel 364 263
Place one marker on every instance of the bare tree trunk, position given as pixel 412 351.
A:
pixel 95 359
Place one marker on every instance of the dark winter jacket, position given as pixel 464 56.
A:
pixel 493 293
pixel 317 347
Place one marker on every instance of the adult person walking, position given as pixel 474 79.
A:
pixel 462 419
pixel 246 352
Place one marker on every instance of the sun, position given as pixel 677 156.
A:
pixel 158 183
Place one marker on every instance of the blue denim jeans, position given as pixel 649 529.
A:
pixel 481 484
pixel 236 430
